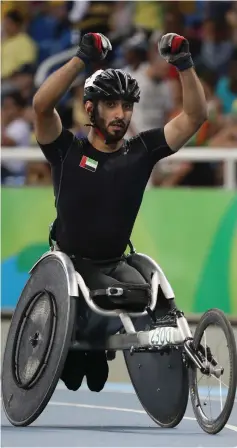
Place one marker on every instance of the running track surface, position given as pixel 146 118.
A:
pixel 111 418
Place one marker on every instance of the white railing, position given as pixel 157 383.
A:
pixel 49 63
pixel 226 155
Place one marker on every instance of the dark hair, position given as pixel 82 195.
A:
pixel 28 69
pixel 17 98
pixel 15 16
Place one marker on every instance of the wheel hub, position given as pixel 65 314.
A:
pixel 35 339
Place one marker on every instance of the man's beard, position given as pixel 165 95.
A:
pixel 116 135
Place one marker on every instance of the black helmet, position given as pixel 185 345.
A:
pixel 111 83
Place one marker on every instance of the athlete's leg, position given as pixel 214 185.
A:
pixel 92 364
pixel 164 306
pixel 74 370
pixel 123 272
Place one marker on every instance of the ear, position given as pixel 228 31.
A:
pixel 89 108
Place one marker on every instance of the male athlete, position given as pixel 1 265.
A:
pixel 99 181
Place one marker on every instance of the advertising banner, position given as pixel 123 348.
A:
pixel 191 234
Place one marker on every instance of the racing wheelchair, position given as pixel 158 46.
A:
pixel 165 361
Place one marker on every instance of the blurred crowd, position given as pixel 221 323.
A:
pixel 34 31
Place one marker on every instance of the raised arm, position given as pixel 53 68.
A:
pixel 47 122
pixel 175 49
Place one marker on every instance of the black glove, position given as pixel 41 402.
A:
pixel 93 47
pixel 175 50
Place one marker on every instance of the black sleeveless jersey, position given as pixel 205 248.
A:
pixel 97 194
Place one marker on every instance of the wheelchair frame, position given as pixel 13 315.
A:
pixel 156 339
pixel 168 378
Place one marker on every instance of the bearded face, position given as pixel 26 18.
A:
pixel 112 118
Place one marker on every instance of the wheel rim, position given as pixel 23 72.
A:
pixel 36 333
pixel 212 390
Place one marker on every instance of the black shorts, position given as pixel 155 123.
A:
pixel 101 275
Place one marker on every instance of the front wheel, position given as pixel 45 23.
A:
pixel 213 394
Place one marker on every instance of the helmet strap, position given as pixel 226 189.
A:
pixel 93 123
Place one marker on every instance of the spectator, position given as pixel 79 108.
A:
pixel 23 81
pixel 38 173
pixel 22 7
pixel 194 12
pixel 122 13
pixel 78 10
pixel 17 47
pixel 156 102
pixel 148 16
pixel 173 21
pixel 53 25
pixel 215 117
pixel 50 28
pixel 217 9
pixel 15 133
pixel 227 86
pixel 231 18
pixel 217 46
pixel 91 16
pixel 226 137
pixel 187 173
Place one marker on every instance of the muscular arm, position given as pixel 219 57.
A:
pixel 181 128
pixel 47 122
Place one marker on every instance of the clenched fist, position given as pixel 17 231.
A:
pixel 93 47
pixel 175 50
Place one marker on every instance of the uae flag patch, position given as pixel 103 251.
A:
pixel 88 164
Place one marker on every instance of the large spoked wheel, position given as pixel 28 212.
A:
pixel 38 341
pixel 213 394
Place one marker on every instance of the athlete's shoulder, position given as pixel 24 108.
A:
pixel 56 151
pixel 136 142
pixel 151 138
pixel 153 141
pixel 68 135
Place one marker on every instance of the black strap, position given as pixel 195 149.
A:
pixel 123 290
pixel 111 291
pixel 131 247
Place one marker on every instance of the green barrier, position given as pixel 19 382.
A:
pixel 192 234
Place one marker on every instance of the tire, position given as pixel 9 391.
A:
pixel 45 341
pixel 213 426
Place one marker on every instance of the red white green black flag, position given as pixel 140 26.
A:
pixel 88 163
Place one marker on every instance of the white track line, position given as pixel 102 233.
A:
pixel 61 386
pixel 110 408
